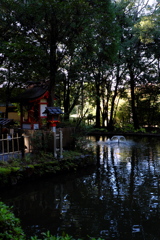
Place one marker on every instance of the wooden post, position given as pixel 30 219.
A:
pixel 8 138
pixel 54 147
pixel 61 143
pixel 21 115
pixel 22 146
pixel 3 147
pixel 17 143
pixel 13 145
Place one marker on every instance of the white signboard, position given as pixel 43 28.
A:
pixel 42 109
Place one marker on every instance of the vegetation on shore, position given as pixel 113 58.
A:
pixel 41 162
pixel 18 170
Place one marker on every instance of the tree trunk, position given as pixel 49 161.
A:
pixel 111 120
pixel 8 92
pixel 133 107
pixel 53 61
pixel 98 107
pixel 66 103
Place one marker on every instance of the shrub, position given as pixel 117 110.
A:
pixel 9 225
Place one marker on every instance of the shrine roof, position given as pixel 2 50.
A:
pixel 53 110
pixel 31 94
pixel 5 121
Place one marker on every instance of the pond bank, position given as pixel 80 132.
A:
pixel 13 175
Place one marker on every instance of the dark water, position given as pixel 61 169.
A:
pixel 120 199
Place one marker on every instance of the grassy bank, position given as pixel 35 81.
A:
pixel 16 171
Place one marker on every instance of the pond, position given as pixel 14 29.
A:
pixel 119 199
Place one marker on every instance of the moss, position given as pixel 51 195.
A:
pixel 15 169
pixel 30 166
pixel 5 171
pixel 72 161
pixel 70 155
pixel 55 162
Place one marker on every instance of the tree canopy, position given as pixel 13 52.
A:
pixel 90 51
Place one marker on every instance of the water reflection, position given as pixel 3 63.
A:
pixel 119 199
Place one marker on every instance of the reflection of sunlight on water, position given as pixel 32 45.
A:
pixel 136 228
pixel 65 206
pixel 128 165
pixel 126 155
pixel 115 152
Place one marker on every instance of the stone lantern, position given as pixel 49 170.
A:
pixel 53 116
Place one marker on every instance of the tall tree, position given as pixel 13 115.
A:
pixel 135 58
pixel 102 47
pixel 16 53
pixel 50 26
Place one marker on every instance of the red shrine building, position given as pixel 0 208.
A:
pixel 33 104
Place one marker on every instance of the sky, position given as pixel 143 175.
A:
pixel 154 1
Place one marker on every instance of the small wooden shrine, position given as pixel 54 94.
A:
pixel 33 103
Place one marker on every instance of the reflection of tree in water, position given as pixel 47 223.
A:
pixel 120 200
pixel 39 207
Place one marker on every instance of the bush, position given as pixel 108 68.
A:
pixel 42 141
pixel 9 225
pixel 48 236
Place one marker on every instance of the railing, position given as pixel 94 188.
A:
pixel 59 137
pixel 13 145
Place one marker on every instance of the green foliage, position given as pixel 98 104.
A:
pixel 128 127
pixel 140 130
pixel 48 236
pixel 9 225
pixel 100 130
pixel 41 141
pixel 14 161
pixel 71 154
pixel 155 131
pixel 28 159
pixel 5 171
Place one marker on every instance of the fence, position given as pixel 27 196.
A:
pixel 17 146
pixel 58 137
pixel 11 146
